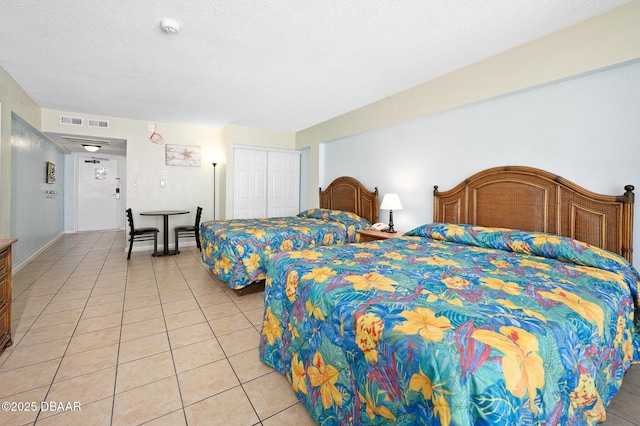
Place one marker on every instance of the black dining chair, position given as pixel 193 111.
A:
pixel 189 231
pixel 141 234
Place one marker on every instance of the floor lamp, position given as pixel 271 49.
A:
pixel 214 190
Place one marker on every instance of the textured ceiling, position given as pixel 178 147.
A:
pixel 283 65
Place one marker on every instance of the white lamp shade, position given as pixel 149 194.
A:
pixel 391 202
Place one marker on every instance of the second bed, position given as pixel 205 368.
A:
pixel 237 250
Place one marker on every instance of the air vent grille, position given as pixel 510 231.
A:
pixel 75 121
pixel 87 140
pixel 104 124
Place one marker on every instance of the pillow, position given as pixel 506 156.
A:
pixel 535 243
pixel 353 223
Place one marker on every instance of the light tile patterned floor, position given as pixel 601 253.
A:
pixel 151 341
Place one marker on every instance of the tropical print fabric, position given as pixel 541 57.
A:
pixel 453 325
pixel 237 250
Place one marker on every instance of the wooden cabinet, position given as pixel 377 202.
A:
pixel 372 235
pixel 5 292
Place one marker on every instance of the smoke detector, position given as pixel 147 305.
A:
pixel 169 26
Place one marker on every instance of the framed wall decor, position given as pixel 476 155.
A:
pixel 182 155
pixel 50 173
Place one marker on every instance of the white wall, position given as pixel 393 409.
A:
pixel 305 202
pixel 37 216
pixel 585 129
pixel 14 101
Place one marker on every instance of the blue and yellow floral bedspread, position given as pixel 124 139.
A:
pixel 452 325
pixel 237 250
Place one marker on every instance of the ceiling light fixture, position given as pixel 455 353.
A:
pixel 169 26
pixel 91 148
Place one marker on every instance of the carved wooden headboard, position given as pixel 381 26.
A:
pixel 530 199
pixel 346 193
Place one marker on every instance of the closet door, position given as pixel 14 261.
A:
pixel 250 183
pixel 283 182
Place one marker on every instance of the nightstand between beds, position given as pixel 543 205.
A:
pixel 373 235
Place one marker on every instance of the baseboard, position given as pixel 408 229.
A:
pixel 16 268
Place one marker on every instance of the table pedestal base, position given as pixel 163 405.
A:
pixel 165 236
pixel 167 253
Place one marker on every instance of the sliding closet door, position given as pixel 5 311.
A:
pixel 283 182
pixel 250 183
pixel 266 183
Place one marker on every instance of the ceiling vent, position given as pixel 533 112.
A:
pixel 103 124
pixel 83 140
pixel 75 121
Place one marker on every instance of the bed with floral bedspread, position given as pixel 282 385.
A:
pixel 237 250
pixel 453 324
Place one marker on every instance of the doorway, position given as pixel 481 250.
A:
pixel 98 193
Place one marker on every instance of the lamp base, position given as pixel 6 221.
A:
pixel 390 228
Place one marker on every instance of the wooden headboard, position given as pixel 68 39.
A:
pixel 529 199
pixel 346 193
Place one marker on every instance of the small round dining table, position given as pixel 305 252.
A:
pixel 165 236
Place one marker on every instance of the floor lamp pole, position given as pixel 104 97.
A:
pixel 214 191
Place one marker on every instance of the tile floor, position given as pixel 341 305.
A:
pixel 150 341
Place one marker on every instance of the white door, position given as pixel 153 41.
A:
pixel 97 189
pixel 250 183
pixel 284 184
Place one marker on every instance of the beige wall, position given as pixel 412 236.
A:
pixel 600 42
pixel 185 187
pixel 12 98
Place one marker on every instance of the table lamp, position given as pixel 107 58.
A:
pixel 391 202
